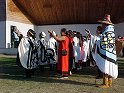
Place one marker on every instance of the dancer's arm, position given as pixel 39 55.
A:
pixel 58 38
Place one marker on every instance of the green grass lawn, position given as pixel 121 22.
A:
pixel 12 80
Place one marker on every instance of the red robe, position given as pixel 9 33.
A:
pixel 63 61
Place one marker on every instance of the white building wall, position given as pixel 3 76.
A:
pixel 5 31
pixel 22 27
pixel 119 29
pixel 76 27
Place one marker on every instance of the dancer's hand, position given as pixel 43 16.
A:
pixel 87 31
pixel 50 31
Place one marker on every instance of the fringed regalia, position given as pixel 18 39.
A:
pixel 42 52
pixel 106 58
pixel 52 44
pixel 27 53
pixel 85 50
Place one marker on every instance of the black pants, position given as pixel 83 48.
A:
pixel 18 60
pixel 90 60
pixel 51 67
pixel 123 51
pixel 29 72
pixel 99 73
pixel 84 64
pixel 70 63
pixel 41 68
pixel 16 43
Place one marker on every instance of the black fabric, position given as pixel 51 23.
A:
pixel 77 65
pixel 70 63
pixel 84 64
pixel 99 73
pixel 41 68
pixel 64 53
pixel 51 67
pixel 30 53
pixel 43 59
pixel 105 57
pixel 91 61
pixel 29 72
pixel 123 52
pixel 30 42
pixel 18 60
pixel 16 43
pixel 56 48
pixel 50 54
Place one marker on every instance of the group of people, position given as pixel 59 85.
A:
pixel 71 50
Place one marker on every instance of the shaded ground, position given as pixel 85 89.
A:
pixel 12 80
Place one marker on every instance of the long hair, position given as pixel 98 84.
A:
pixel 63 30
pixel 32 33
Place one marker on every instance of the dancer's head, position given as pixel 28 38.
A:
pixel 106 21
pixel 42 35
pixel 31 33
pixel 63 32
pixel 99 30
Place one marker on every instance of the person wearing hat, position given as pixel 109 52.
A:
pixel 106 54
pixel 52 43
pixel 27 53
pixel 42 50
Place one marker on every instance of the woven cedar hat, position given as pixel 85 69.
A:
pixel 106 20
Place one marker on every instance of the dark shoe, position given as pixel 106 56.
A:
pixel 98 77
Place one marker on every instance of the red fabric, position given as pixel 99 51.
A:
pixel 121 38
pixel 63 61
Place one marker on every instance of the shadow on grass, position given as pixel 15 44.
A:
pixel 121 67
pixel 14 73
pixel 40 77
pixel 9 70
pixel 45 79
pixel 87 71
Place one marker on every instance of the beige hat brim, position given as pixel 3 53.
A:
pixel 31 33
pixel 105 22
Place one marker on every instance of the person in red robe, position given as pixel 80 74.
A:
pixel 63 53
